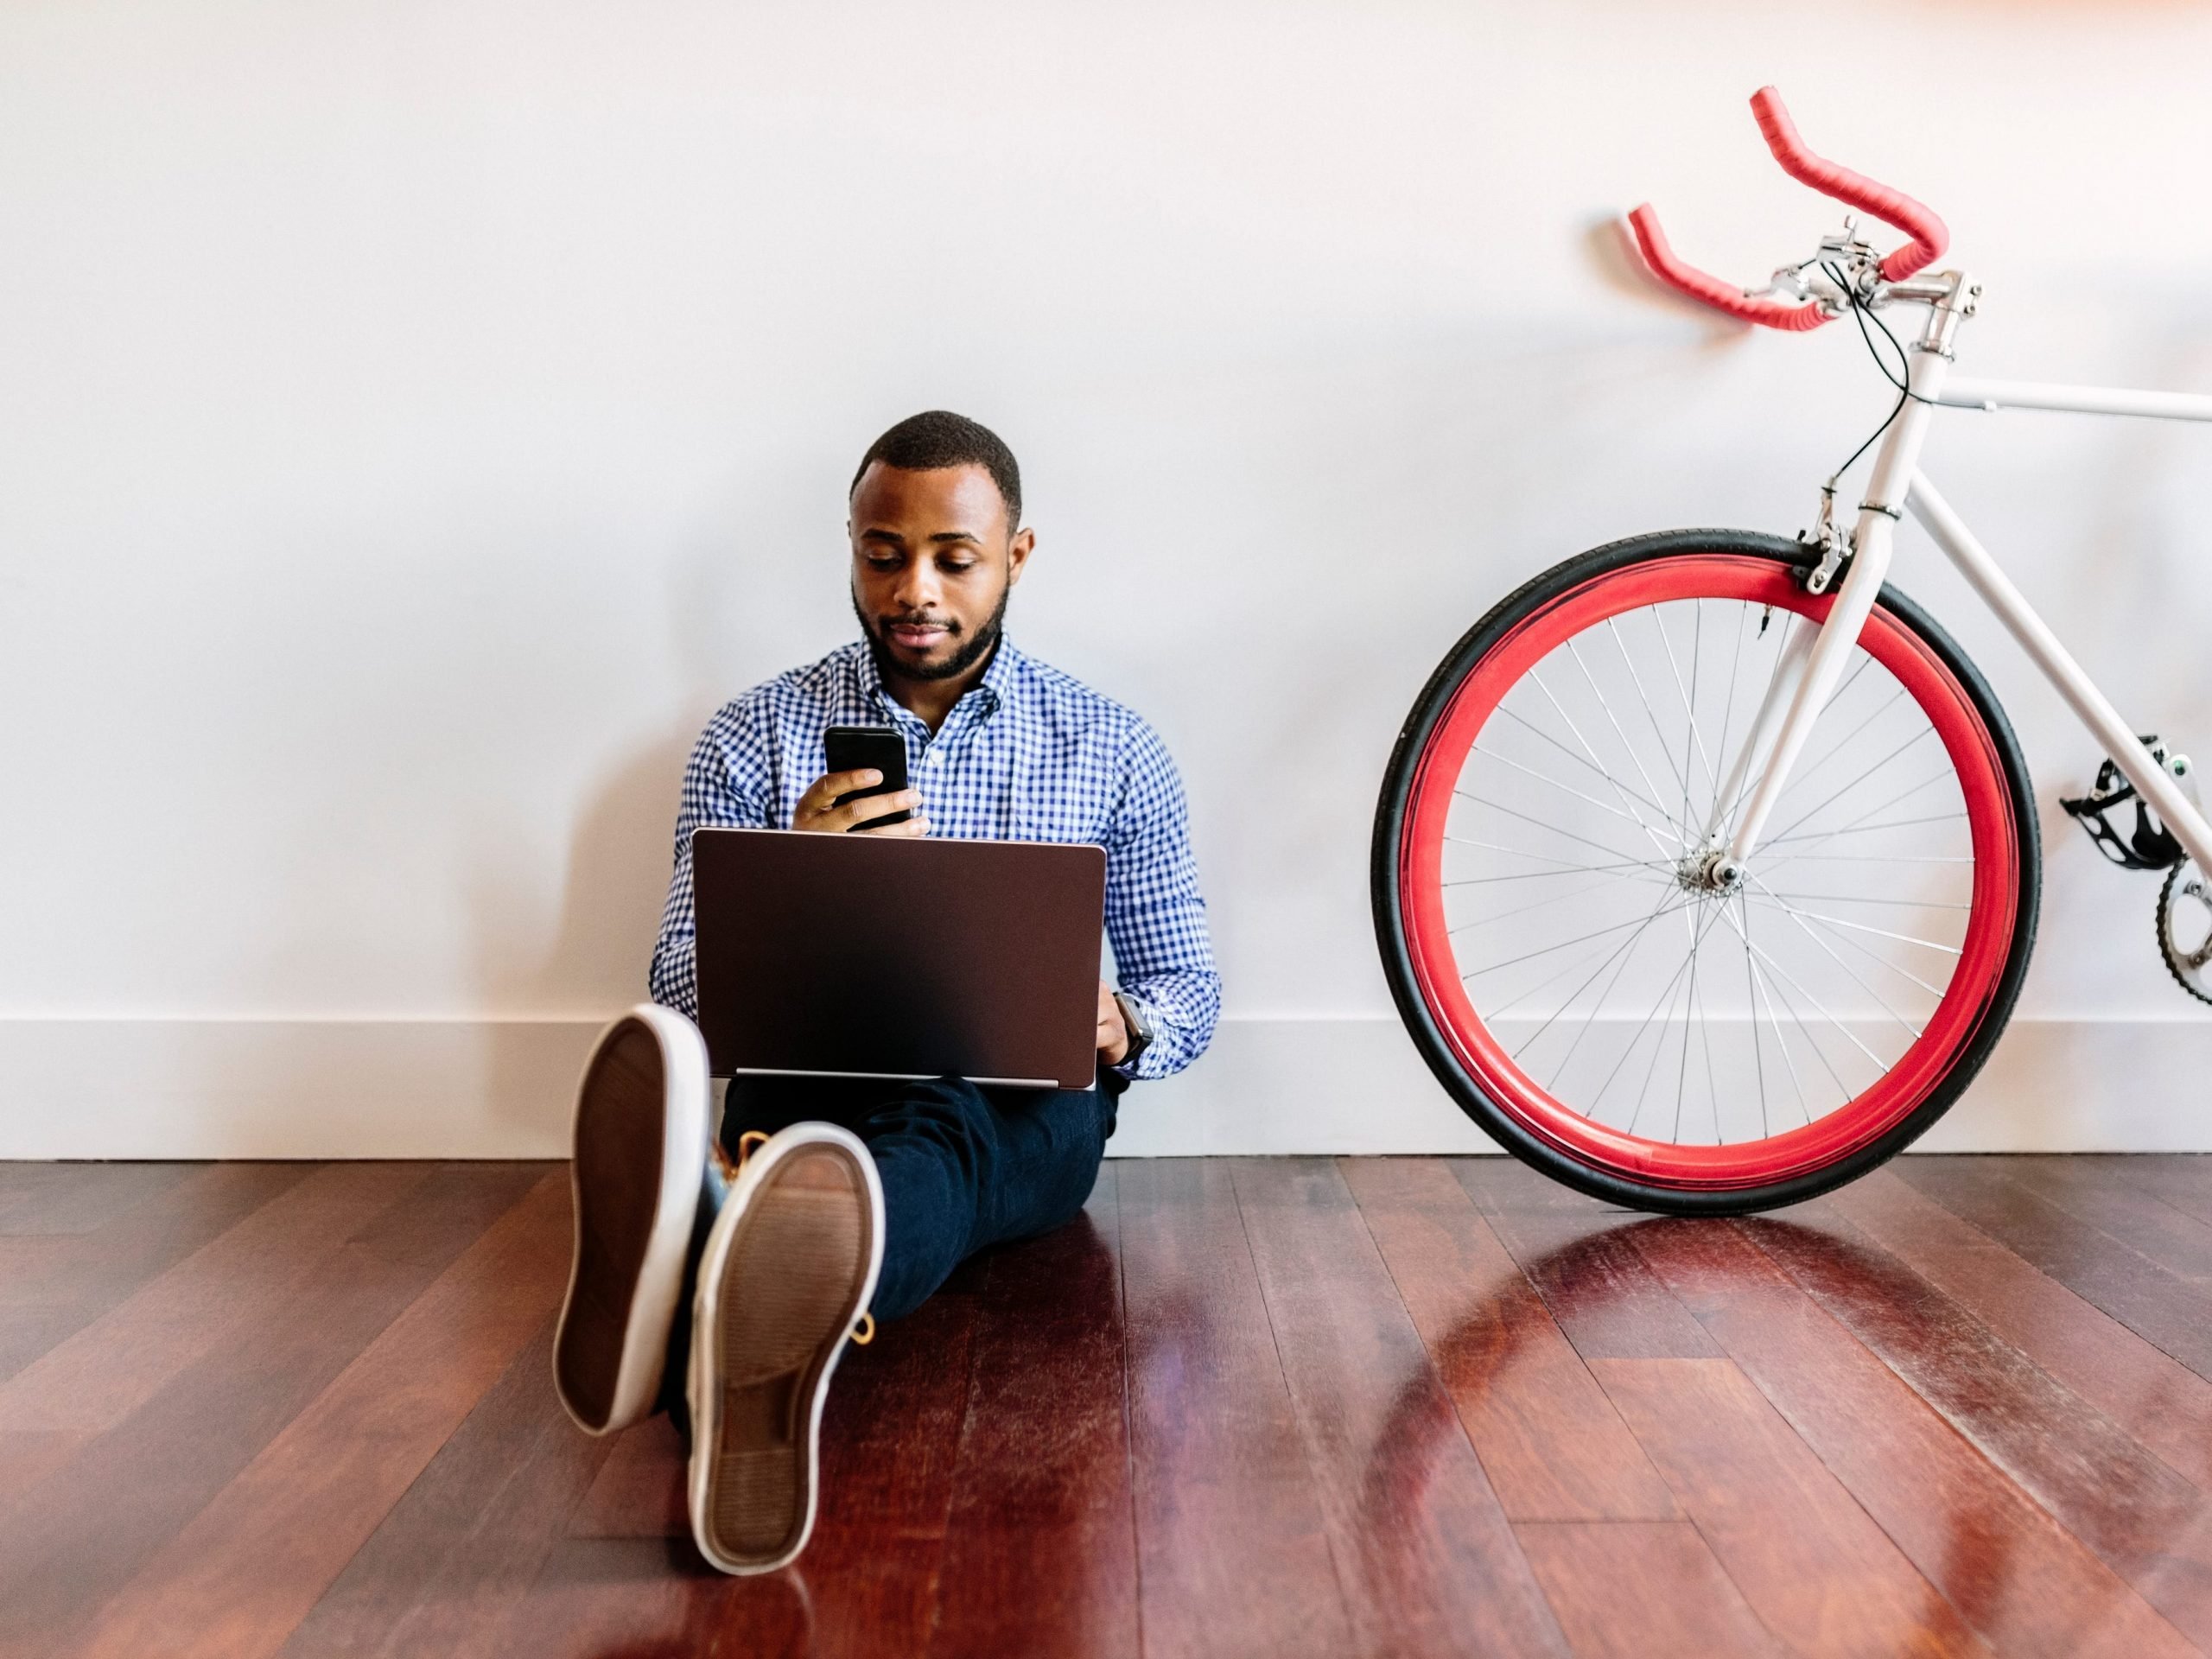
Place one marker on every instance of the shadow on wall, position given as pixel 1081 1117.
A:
pixel 592 961
pixel 562 981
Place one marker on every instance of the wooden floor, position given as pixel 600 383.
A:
pixel 1389 1406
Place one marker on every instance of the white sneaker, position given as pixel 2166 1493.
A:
pixel 640 1144
pixel 787 1276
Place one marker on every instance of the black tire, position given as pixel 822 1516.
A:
pixel 1437 1051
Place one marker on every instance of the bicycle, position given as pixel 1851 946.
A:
pixel 1764 839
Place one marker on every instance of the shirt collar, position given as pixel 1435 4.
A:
pixel 990 693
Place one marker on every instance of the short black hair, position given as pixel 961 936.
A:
pixel 938 437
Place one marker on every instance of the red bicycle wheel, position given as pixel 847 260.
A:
pixel 1554 938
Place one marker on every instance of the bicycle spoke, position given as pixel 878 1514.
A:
pixel 1624 956
pixel 1651 714
pixel 1612 720
pixel 1760 980
pixel 1690 707
pixel 1492 754
pixel 1867 829
pixel 1665 999
pixel 1551 828
pixel 1581 761
pixel 1861 927
pixel 1585 742
pixel 1847 969
pixel 1925 731
pixel 1523 910
pixel 1627 944
pixel 1860 899
pixel 1531 956
pixel 1831 714
pixel 1533 876
pixel 1545 983
pixel 1683 1072
pixel 1728 702
pixel 1868 951
pixel 1752 995
pixel 1784 976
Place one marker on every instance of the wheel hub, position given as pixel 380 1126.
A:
pixel 1709 870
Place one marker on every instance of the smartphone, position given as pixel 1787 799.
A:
pixel 879 747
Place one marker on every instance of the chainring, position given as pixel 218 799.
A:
pixel 2185 928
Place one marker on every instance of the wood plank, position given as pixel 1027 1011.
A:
pixel 1642 1590
pixel 82 1197
pixel 1549 1440
pixel 1576 1253
pixel 638 1492
pixel 2017 1576
pixel 1500 1183
pixel 53 1285
pixel 234 1582
pixel 2163 1404
pixel 627 1578
pixel 891 1442
pixel 72 1540
pixel 1233 1548
pixel 116 1363
pixel 456 1555
pixel 629 1574
pixel 2150 1525
pixel 28 1455
pixel 1041 1557
pixel 2165 1311
pixel 1819 1574
pixel 655 1599
pixel 2102 1192
pixel 2183 1180
pixel 1426 1559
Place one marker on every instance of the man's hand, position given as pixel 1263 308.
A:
pixel 1113 1030
pixel 818 810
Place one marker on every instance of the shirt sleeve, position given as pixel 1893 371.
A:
pixel 1155 917
pixel 726 785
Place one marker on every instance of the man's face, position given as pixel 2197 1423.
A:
pixel 933 559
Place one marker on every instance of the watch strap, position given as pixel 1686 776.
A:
pixel 1139 1027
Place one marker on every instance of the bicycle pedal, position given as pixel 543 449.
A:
pixel 2147 844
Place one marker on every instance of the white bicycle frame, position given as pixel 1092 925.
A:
pixel 1815 658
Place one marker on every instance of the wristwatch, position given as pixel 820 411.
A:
pixel 1139 1029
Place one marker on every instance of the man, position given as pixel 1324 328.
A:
pixel 828 1204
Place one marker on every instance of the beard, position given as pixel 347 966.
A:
pixel 966 653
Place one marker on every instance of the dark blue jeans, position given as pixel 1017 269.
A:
pixel 963 1167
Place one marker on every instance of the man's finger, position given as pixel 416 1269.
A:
pixel 913 828
pixel 827 788
pixel 871 807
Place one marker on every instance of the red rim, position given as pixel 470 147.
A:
pixel 1858 1121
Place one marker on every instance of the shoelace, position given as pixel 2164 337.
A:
pixel 861 1333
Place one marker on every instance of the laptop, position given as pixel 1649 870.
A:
pixel 878 956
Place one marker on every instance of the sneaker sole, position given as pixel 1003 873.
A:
pixel 780 1289
pixel 639 1142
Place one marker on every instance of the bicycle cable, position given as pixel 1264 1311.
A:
pixel 1861 313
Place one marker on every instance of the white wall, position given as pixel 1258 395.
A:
pixel 414 418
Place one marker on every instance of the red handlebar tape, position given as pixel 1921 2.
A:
pixel 1701 285
pixel 1928 233
pixel 1929 237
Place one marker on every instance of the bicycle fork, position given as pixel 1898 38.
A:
pixel 1815 656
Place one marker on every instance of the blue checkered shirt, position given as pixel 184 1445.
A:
pixel 1028 754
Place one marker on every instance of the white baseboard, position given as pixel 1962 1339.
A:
pixel 500 1088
